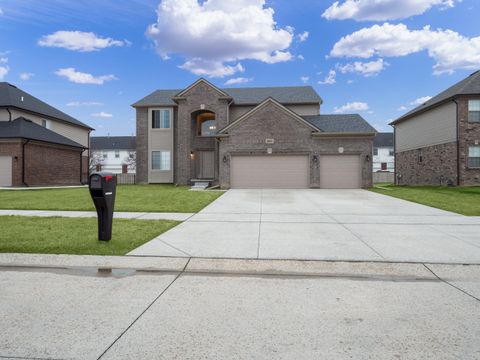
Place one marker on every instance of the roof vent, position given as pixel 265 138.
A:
pixel 21 98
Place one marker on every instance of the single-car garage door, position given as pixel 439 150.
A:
pixel 5 171
pixel 340 172
pixel 273 171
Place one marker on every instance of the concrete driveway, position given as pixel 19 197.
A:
pixel 353 225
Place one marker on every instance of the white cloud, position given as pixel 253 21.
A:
pixel 214 35
pixel 305 79
pixel 83 78
pixel 420 100
pixel 238 80
pixel 330 78
pixel 79 41
pixel 83 103
pixel 380 10
pixel 353 106
pixel 448 48
pixel 25 76
pixel 102 114
pixel 4 69
pixel 402 108
pixel 303 36
pixel 366 69
pixel 300 57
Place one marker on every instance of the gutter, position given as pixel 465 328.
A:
pixel 458 144
pixel 23 162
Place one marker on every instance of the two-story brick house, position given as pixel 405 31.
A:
pixel 39 144
pixel 272 137
pixel 438 143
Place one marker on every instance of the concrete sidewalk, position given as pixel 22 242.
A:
pixel 80 307
pixel 91 214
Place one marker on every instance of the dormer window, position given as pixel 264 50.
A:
pixel 474 111
pixel 206 124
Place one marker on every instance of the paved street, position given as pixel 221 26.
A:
pixel 164 308
pixel 321 225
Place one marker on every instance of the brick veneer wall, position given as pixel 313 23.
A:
pixel 290 137
pixel 469 135
pixel 438 165
pixel 142 146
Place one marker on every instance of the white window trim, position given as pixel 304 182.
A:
pixel 150 119
pixel 151 161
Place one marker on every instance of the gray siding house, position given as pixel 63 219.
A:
pixel 438 143
pixel 273 137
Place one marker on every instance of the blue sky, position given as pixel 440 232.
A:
pixel 378 58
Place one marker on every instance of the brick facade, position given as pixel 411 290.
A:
pixel 142 146
pixel 431 165
pixel 469 135
pixel 291 137
pixel 45 164
pixel 442 164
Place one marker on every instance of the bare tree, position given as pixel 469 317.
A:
pixel 131 160
pixel 96 158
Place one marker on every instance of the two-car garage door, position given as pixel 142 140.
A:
pixel 5 171
pixel 293 172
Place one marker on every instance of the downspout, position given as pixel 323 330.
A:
pixel 9 114
pixel 395 179
pixel 23 162
pixel 458 146
pixel 81 166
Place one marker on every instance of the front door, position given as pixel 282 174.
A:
pixel 206 165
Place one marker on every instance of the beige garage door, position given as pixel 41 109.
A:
pixel 5 171
pixel 274 172
pixel 340 172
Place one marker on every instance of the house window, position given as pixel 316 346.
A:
pixel 474 111
pixel 105 155
pixel 375 151
pixel 161 119
pixel 98 167
pixel 117 153
pixel 44 123
pixel 206 125
pixel 161 160
pixel 384 166
pixel 124 168
pixel 474 157
pixel 390 152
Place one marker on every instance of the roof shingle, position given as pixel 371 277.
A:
pixel 112 143
pixel 11 96
pixel 384 139
pixel 338 123
pixel 26 129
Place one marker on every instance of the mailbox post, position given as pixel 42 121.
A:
pixel 102 187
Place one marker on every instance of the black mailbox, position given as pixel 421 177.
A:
pixel 102 187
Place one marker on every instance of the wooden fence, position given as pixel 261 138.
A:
pixel 125 179
pixel 383 177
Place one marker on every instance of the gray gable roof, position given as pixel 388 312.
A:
pixel 338 123
pixel 11 96
pixel 243 96
pixel 468 86
pixel 384 139
pixel 112 143
pixel 26 129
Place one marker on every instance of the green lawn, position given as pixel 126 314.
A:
pixel 55 235
pixel 135 198
pixel 462 200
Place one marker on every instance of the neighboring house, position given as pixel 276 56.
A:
pixel 271 137
pixel 115 154
pixel 39 145
pixel 383 153
pixel 438 143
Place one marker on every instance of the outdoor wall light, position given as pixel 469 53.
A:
pixel 192 155
pixel 314 158
pixel 225 158
pixel 367 157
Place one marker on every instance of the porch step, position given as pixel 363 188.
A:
pixel 200 185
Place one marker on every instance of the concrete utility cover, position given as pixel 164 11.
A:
pixel 321 225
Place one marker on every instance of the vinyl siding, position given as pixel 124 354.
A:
pixel 434 127
pixel 160 140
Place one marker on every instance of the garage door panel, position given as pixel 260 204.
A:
pixel 277 172
pixel 340 172
pixel 5 171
